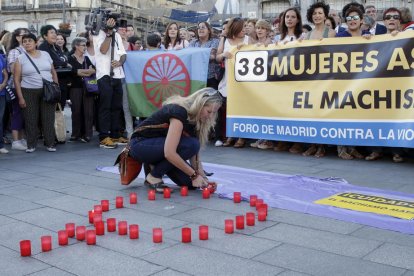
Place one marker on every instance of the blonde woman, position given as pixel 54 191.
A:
pixel 174 134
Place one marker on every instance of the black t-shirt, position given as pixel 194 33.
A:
pixel 163 116
pixel 77 80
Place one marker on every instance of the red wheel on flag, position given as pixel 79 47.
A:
pixel 165 75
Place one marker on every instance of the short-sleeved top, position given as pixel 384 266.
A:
pixel 213 43
pixel 163 116
pixel 77 80
pixel 30 77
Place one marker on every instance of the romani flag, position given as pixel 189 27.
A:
pixel 153 76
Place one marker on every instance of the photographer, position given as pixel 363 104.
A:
pixel 108 43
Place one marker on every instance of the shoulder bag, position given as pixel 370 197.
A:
pixel 91 84
pixel 129 168
pixel 60 124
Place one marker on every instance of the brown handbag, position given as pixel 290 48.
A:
pixel 129 168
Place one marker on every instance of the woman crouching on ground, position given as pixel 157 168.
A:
pixel 172 135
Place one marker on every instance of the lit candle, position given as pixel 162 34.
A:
pixel 167 193
pixel 239 222
pixel 97 218
pixel 97 209
pixel 119 202
pixel 90 237
pixel 133 198
pixel 70 228
pixel 261 216
pixel 63 237
pixel 105 205
pixel 228 226
pixel 250 219
pixel 133 231
pixel 203 232
pixel 184 191
pixel 186 235
pixel 151 194
pixel 90 215
pixel 156 235
pixel 46 243
pixel 80 233
pixel 122 228
pixel 100 228
pixel 25 248
pixel 206 193
pixel 253 199
pixel 264 206
pixel 237 197
pixel 111 224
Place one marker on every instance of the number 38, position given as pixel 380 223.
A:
pixel 258 68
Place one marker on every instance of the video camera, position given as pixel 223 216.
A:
pixel 97 18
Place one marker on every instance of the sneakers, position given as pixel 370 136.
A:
pixel 396 158
pixel 30 150
pixel 18 145
pixel 218 143
pixel 107 143
pixel 4 151
pixel 374 156
pixel 265 145
pixel 51 149
pixel 121 141
pixel 255 144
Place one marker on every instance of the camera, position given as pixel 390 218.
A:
pixel 97 18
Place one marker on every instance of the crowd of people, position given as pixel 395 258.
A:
pixel 100 57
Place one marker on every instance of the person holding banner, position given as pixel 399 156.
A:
pixel 173 40
pixel 172 135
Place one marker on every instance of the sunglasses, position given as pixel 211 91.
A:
pixel 389 16
pixel 354 17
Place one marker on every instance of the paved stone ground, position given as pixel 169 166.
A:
pixel 42 191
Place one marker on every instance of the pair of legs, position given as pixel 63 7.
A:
pixel 151 151
pixel 82 113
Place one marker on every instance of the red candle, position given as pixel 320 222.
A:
pixel 119 202
pixel 133 231
pixel 97 218
pixel 250 219
pixel 239 222
pixel 70 228
pixel 25 248
pixel 203 232
pixel 100 228
pixel 264 206
pixel 228 226
pixel 184 191
pixel 46 243
pixel 151 194
pixel 111 224
pixel 253 199
pixel 206 193
pixel 122 228
pixel 80 233
pixel 63 237
pixel 97 209
pixel 261 216
pixel 186 235
pixel 167 193
pixel 156 235
pixel 105 205
pixel 237 197
pixel 259 203
pixel 90 237
pixel 133 198
pixel 90 215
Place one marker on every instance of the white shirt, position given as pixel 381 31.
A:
pixel 372 30
pixel 103 61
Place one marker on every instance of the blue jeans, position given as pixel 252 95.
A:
pixel 2 108
pixel 151 151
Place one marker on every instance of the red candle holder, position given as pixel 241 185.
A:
pixel 100 228
pixel 133 199
pixel 253 200
pixel 240 222
pixel 111 224
pixel 184 191
pixel 63 237
pixel 228 226
pixel 91 215
pixel 97 209
pixel 261 216
pixel 25 248
pixel 70 228
pixel 236 197
pixel 122 228
pixel 250 219
pixel 203 232
pixel 90 237
pixel 156 235
pixel 133 231
pixel 265 206
pixel 186 235
pixel 151 194
pixel 80 233
pixel 119 202
pixel 167 193
pixel 259 203
pixel 46 243
pixel 97 218
pixel 206 193
pixel 105 205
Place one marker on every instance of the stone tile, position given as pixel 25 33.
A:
pixel 29 193
pixel 311 221
pixel 395 255
pixel 12 264
pixel 34 168
pixel 50 183
pixel 15 175
pixel 81 259
pixel 6 220
pixel 53 271
pixel 321 240
pixel 384 235
pixel 10 205
pixel 161 206
pixel 409 273
pixel 7 183
pixel 71 204
pixel 208 262
pixel 169 272
pixel 92 192
pixel 316 262
pixel 292 273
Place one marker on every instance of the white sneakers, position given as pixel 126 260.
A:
pixel 19 145
pixel 4 150
pixel 51 149
pixel 218 143
pixel 30 150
